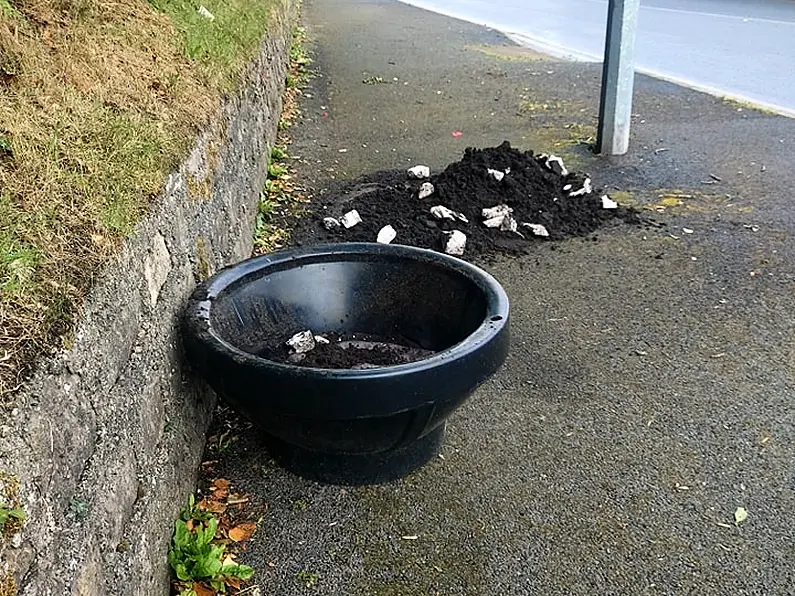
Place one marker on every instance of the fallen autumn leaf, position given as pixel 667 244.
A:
pixel 202 590
pixel 242 532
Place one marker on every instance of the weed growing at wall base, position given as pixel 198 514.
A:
pixel 198 554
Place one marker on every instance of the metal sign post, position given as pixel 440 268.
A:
pixel 618 74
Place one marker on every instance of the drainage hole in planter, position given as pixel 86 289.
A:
pixel 496 318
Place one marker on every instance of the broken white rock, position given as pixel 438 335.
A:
pixel 319 339
pixel 456 242
pixel 418 172
pixel 537 229
pixel 499 217
pixel 496 211
pixel 442 212
pixel 496 174
pixel 302 342
pixel 386 235
pixel 608 203
pixel 206 13
pixel 426 190
pixel 331 223
pixel 585 190
pixel 555 164
pixel 351 218
pixel 509 224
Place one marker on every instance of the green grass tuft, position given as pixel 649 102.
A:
pixel 221 44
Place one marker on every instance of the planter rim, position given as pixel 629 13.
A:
pixel 199 310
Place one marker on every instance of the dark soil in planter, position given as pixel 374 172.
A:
pixel 534 192
pixel 351 351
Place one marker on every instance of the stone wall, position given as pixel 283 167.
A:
pixel 106 438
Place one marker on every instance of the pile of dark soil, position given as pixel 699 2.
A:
pixel 351 351
pixel 534 191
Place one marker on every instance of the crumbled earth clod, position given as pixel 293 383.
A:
pixel 533 191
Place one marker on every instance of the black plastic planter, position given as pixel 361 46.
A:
pixel 349 426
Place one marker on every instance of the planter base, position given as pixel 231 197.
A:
pixel 354 469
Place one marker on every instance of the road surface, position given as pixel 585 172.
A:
pixel 742 49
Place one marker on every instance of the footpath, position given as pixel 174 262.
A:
pixel 650 390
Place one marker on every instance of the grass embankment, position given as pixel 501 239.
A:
pixel 99 100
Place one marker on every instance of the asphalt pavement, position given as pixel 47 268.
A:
pixel 726 47
pixel 650 388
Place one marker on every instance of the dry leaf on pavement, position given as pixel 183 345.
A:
pixel 212 506
pixel 242 532
pixel 202 590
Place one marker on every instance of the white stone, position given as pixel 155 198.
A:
pixel 508 224
pixel 426 190
pixel 456 242
pixel 585 190
pixel 555 164
pixel 418 172
pixel 608 203
pixel 386 235
pixel 494 222
pixel 319 339
pixel 496 174
pixel 157 266
pixel 442 212
pixel 350 219
pixel 331 223
pixel 302 342
pixel 206 13
pixel 537 229
pixel 497 211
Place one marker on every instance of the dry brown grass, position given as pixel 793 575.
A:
pixel 99 100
